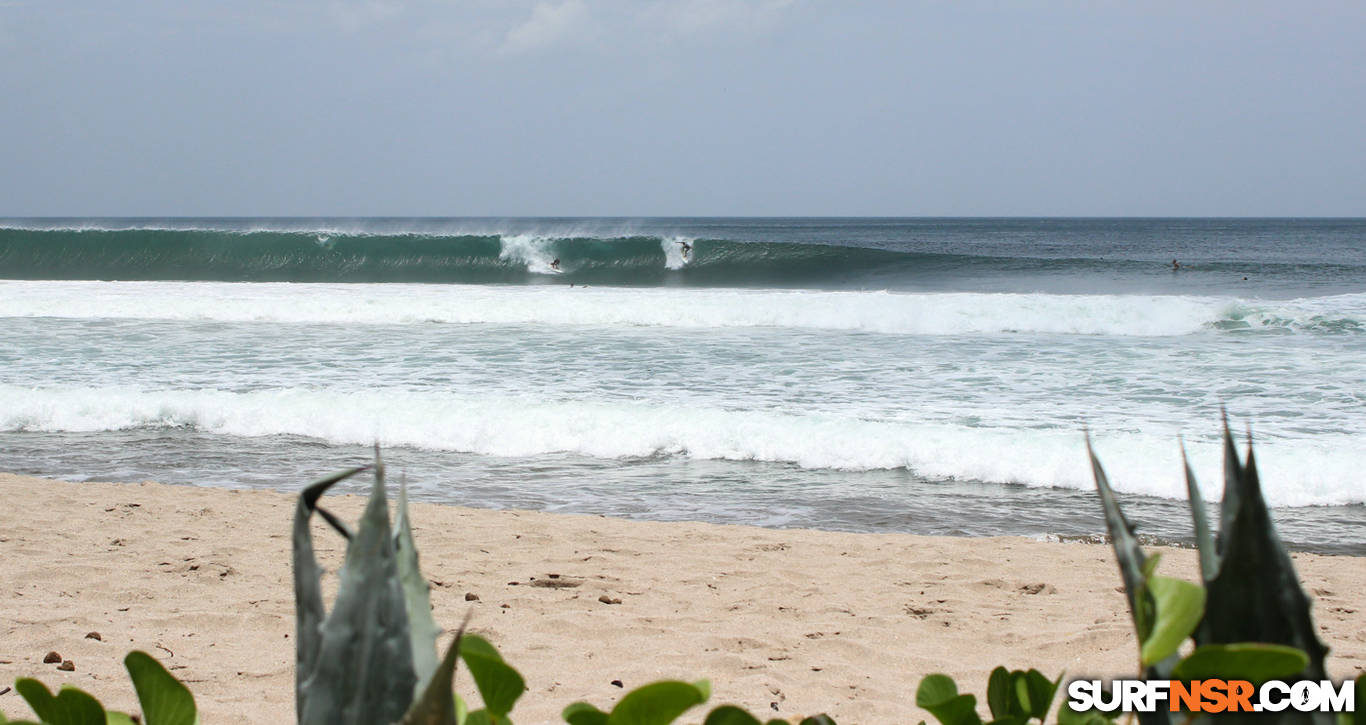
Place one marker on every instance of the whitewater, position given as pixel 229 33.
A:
pixel 904 313
pixel 933 376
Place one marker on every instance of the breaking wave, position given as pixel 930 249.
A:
pixel 879 312
pixel 1322 471
pixel 325 254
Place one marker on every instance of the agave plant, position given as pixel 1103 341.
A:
pixel 372 659
pixel 1248 575
pixel 1250 620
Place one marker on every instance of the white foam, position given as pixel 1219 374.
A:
pixel 881 312
pixel 1324 470
pixel 673 251
pixel 1339 313
pixel 529 250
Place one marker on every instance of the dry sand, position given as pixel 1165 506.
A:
pixel 784 623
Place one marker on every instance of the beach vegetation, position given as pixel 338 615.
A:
pixel 1252 593
pixel 1248 619
pixel 164 699
pixel 1014 697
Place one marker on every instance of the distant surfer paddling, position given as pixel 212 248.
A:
pixel 1176 266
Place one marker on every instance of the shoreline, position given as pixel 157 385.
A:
pixel 799 620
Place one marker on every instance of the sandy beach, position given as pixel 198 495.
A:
pixel 783 622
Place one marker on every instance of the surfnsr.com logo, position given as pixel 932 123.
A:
pixel 1211 696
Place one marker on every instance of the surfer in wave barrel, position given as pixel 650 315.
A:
pixel 555 265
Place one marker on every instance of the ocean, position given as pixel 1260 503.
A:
pixel 930 376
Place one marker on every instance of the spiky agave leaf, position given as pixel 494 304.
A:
pixel 1233 487
pixel 361 671
pixel 1128 553
pixel 308 596
pixel 1204 538
pixel 436 704
pixel 1133 564
pixel 417 595
pixel 1255 595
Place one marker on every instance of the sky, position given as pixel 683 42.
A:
pixel 682 108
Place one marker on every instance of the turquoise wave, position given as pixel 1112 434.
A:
pixel 289 256
pixel 275 255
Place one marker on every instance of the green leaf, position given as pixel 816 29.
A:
pixel 499 684
pixel 1066 716
pixel 417 595
pixel 1150 566
pixel 998 693
pixel 70 706
pixel 704 687
pixel 163 699
pixel 1019 689
pixel 730 715
pixel 938 694
pixel 483 717
pixel 1251 661
pixel 935 690
pixel 118 718
pixel 821 719
pixel 581 713
pixel 658 703
pixel 1180 605
pixel 1039 690
pixel 474 644
pixel 1146 613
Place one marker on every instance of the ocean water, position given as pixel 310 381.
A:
pixel 915 375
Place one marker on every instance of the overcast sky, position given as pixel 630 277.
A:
pixel 692 107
